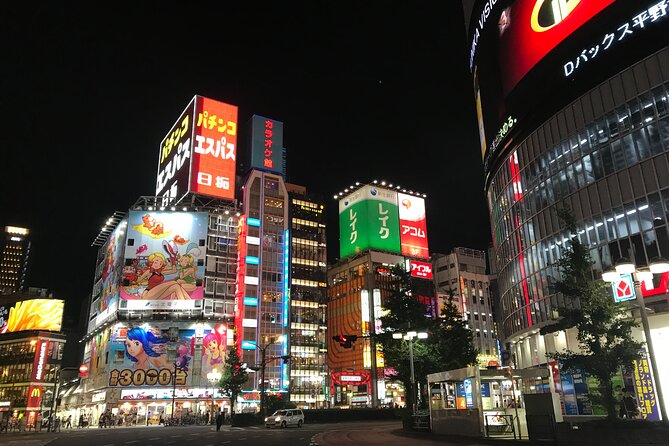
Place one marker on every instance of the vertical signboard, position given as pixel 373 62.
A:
pixel 214 149
pixel 239 282
pixel 267 144
pixel 645 388
pixel 413 226
pixel 199 152
pixel 369 219
pixel 174 159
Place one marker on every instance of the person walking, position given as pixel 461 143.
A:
pixel 219 421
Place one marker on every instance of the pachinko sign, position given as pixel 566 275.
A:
pixel 33 314
pixel 164 256
pixel 199 153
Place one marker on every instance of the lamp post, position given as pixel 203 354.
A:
pixel 214 377
pixel 657 266
pixel 263 362
pixel 174 392
pixel 409 337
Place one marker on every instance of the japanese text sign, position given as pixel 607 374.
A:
pixel 421 270
pixel 267 144
pixel 413 226
pixel 645 388
pixel 174 159
pixel 369 219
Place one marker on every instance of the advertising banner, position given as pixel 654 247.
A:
pixel 214 149
pixel 139 356
pixel 645 388
pixel 113 268
pixel 421 270
pixel 267 144
pixel 369 219
pixel 213 349
pixel 164 256
pixel 413 226
pixel 175 156
pixel 32 314
pixel 199 153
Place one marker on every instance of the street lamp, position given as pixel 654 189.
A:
pixel 263 362
pixel 657 266
pixel 409 336
pixel 214 378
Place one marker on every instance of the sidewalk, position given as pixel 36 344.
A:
pixel 393 435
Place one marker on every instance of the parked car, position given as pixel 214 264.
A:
pixel 284 418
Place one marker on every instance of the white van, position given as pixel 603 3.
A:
pixel 284 418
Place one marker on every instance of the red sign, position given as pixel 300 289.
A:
pixel 83 371
pixel 660 289
pixel 34 397
pixel 421 269
pixel 413 226
pixel 40 361
pixel 623 289
pixel 239 283
pixel 214 148
pixel 533 28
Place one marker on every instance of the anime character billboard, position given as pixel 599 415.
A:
pixel 141 356
pixel 111 273
pixel 214 345
pixel 164 256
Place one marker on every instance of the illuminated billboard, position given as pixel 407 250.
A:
pixel 139 356
pixel 32 314
pixel 529 58
pixel 113 268
pixel 199 153
pixel 164 257
pixel 369 219
pixel 413 226
pixel 422 270
pixel 267 144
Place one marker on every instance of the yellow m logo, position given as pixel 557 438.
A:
pixel 548 13
pixel 35 392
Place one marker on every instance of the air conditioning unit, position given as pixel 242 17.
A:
pixel 208 307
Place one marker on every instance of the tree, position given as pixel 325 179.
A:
pixel 454 341
pixel 449 344
pixel 234 375
pixel 604 326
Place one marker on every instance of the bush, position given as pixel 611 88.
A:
pixel 341 415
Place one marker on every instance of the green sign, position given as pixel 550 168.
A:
pixel 369 219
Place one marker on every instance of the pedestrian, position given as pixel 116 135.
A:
pixel 629 406
pixel 68 422
pixel 219 421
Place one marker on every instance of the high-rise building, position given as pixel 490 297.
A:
pixel 463 273
pixel 31 350
pixel 308 331
pixel 14 256
pixel 380 226
pixel 576 117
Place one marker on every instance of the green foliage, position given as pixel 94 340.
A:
pixel 277 402
pixel 604 326
pixel 234 376
pixel 449 344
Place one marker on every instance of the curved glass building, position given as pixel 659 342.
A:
pixel 572 102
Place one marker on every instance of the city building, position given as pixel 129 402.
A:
pixel 308 331
pixel 463 273
pixel 14 256
pixel 31 350
pixel 578 118
pixel 380 226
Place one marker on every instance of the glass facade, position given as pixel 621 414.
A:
pixel 308 349
pixel 604 156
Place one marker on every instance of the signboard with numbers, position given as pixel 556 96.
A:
pixel 199 153
pixel 369 219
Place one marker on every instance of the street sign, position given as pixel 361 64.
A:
pixel 623 289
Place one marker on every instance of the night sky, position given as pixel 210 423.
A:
pixel 364 93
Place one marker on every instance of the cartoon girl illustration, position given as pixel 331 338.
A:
pixel 211 349
pixel 156 287
pixel 140 349
pixel 186 277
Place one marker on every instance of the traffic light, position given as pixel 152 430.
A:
pixel 346 341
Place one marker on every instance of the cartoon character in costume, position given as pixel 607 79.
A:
pixel 144 349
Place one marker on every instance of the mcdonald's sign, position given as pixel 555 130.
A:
pixel 34 396
pixel 36 392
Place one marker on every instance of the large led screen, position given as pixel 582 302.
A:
pixel 164 256
pixel 32 314
pixel 413 226
pixel 369 219
pixel 529 58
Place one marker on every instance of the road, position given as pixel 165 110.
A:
pixel 198 436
